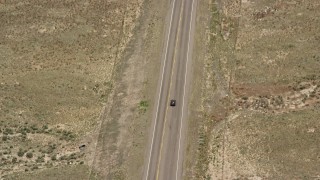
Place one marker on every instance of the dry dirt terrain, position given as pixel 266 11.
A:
pixel 258 117
pixel 62 65
pixel 85 72
pixel 123 136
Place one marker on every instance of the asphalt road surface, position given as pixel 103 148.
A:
pixel 166 148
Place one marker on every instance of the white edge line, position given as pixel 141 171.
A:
pixel 184 89
pixel 165 59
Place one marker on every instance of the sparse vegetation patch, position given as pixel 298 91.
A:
pixel 57 62
pixel 269 55
pixel 143 105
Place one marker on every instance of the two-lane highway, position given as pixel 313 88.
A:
pixel 165 154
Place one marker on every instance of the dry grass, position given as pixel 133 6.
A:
pixel 62 173
pixel 57 63
pixel 281 47
pixel 268 146
pixel 268 53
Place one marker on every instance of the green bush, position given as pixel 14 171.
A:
pixel 143 106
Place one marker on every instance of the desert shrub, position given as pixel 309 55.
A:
pixel 67 135
pixel 40 159
pixel 8 131
pixel 51 148
pixel 29 155
pixel 34 127
pixel 72 156
pixel 63 158
pixel 44 127
pixel 7 152
pixel 20 152
pixel 23 137
pixel 14 160
pixel 245 98
pixel 54 157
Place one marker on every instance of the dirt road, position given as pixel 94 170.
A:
pixel 166 148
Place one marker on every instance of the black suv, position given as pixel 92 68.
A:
pixel 173 102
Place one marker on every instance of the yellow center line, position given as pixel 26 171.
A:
pixel 171 77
